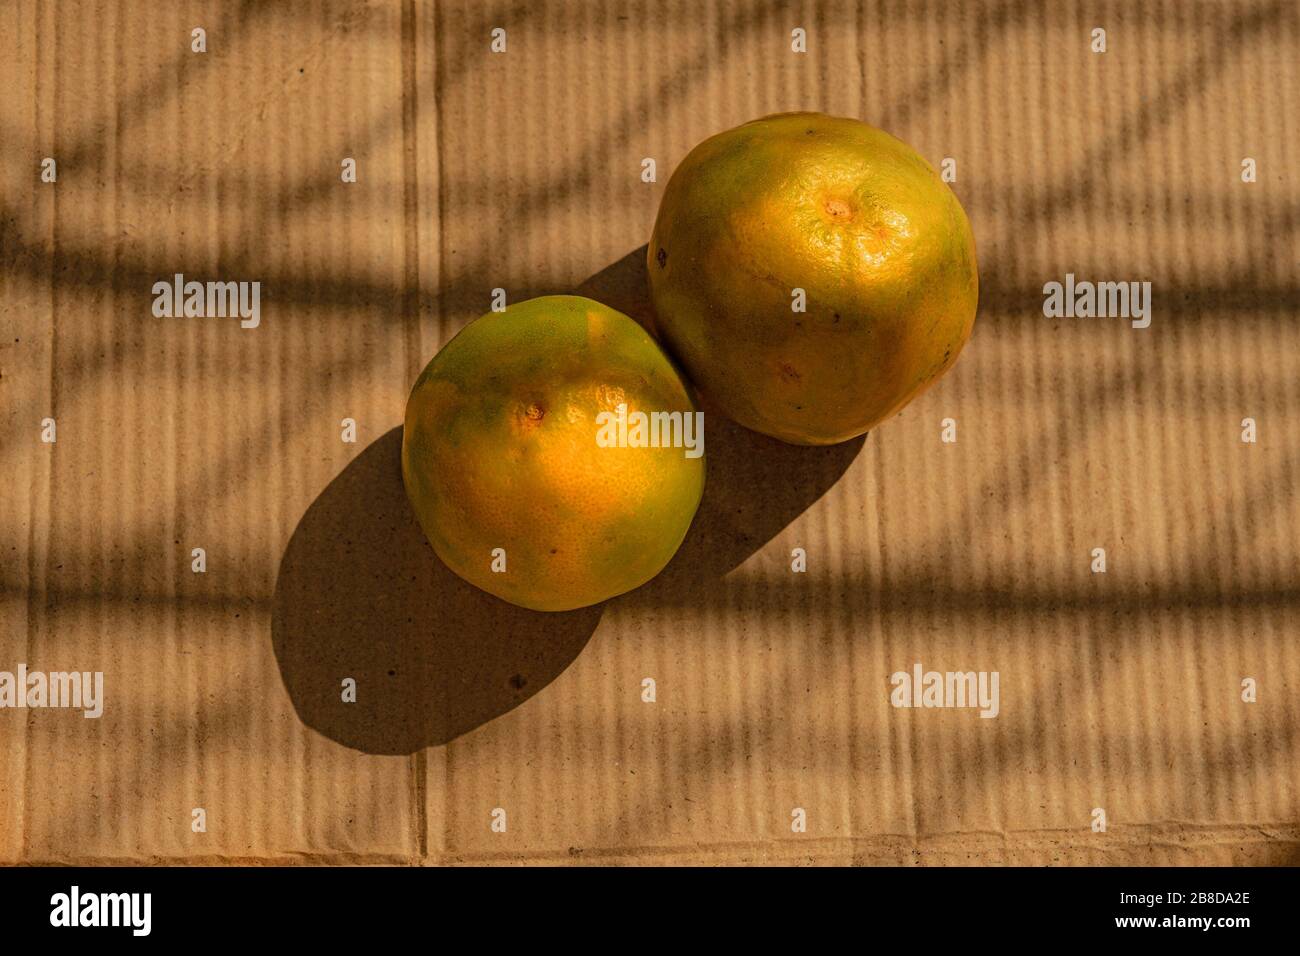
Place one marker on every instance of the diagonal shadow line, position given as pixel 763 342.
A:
pixel 987 28
pixel 531 207
pixel 148 177
pixel 149 94
pixel 1190 83
pixel 389 124
pixel 864 596
pixel 405 117
pixel 152 93
pixel 219 479
pixel 707 757
pixel 1030 463
pixel 170 748
pixel 975 48
pixel 1073 189
pixel 1165 103
pixel 1022 740
pixel 1100 401
pixel 350 293
pixel 137 103
pixel 580 174
pixel 1090 645
pixel 539 199
pixel 1046 206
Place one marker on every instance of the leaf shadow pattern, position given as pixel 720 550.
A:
pixel 1187 763
pixel 739 530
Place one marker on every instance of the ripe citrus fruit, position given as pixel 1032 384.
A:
pixel 801 210
pixel 515 473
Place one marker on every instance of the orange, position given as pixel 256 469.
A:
pixel 515 466
pixel 831 215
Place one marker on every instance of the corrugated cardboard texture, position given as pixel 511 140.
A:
pixel 522 170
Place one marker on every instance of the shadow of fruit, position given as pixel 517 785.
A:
pixel 360 595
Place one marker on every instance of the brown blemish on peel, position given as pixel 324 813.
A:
pixel 789 373
pixel 661 257
pixel 533 415
pixel 838 210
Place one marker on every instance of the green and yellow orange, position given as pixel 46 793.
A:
pixel 501 460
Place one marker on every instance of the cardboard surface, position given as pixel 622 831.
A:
pixel 522 170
